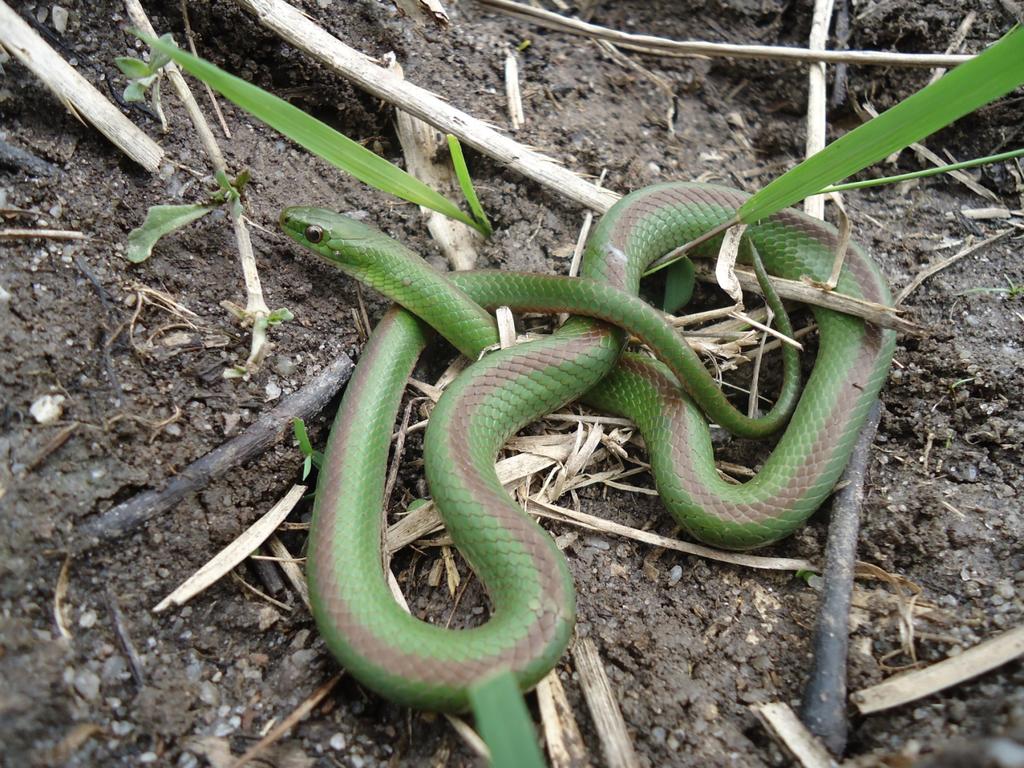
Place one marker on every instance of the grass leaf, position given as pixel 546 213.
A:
pixel 992 74
pixel 466 183
pixel 161 220
pixel 504 722
pixel 679 282
pixel 316 136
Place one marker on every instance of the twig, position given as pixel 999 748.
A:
pixel 512 92
pixel 288 723
pixel 955 42
pixel 842 35
pixel 566 748
pixel 42 234
pixel 922 151
pixel 611 728
pixel 824 702
pixel 981 658
pixel 267 430
pixel 661 46
pixel 779 720
pixel 816 124
pixel 883 316
pixel 121 629
pixel 293 26
pixel 937 267
pixel 290 568
pixel 19 159
pixel 233 554
pixel 426 156
pixel 256 309
pixel 75 92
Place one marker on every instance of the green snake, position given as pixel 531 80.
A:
pixel 527 579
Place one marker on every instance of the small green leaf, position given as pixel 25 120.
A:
pixel 504 722
pixel 806 575
pixel 161 220
pixel 134 92
pixel 133 68
pixel 679 281
pixel 279 316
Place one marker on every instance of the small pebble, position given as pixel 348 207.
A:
pixel 121 727
pixel 87 683
pixel 337 742
pixel 147 757
pixel 284 366
pixel 60 19
pixel 596 543
pixel 273 390
pixel 675 575
pixel 47 409
pixel 87 620
pixel 209 694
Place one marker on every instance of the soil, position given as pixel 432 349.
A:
pixel 686 656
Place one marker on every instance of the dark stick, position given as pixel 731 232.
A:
pixel 842 35
pixel 268 429
pixel 18 159
pixel 824 705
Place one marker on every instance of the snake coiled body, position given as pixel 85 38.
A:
pixel 419 664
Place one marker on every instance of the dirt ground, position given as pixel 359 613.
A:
pixel 687 654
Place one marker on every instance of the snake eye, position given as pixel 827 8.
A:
pixel 314 234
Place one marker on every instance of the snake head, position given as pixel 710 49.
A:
pixel 338 238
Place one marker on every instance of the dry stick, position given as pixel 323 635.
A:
pixel 794 289
pixel 426 156
pixel 286 725
pixel 74 91
pixel 256 308
pixel 824 703
pixel 937 267
pixel 44 234
pixel 512 93
pixel 780 721
pixel 566 748
pixel 661 46
pixel 611 728
pixel 235 553
pixel 842 35
pixel 267 431
pixel 21 160
pixel 922 151
pixel 306 35
pixel 981 658
pixel 816 124
pixel 209 91
pixel 955 42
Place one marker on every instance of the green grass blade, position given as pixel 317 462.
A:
pixel 992 74
pixel 926 172
pixel 504 723
pixel 466 183
pixel 316 136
